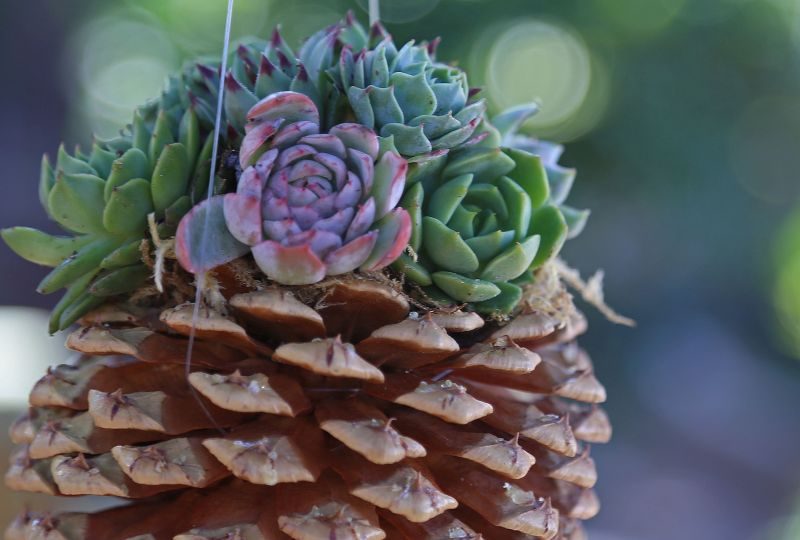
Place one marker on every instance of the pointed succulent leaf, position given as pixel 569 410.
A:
pixel 489 245
pixel 504 303
pixel 202 241
pixel 289 265
pixel 288 106
pixel 394 230
pixel 575 219
pixel 484 165
pixel 42 248
pixel 434 126
pixel 132 164
pixel 465 289
pixel 444 201
pixel 202 171
pixel 413 94
pixel 140 133
pixel 410 141
pixel 412 270
pixel 549 223
pixel 125 255
pixel 426 168
pixel 509 121
pixel 519 206
pixel 100 160
pixel 446 248
pixel 351 255
pixel 120 280
pixel 177 210
pixel 530 173
pixel 455 137
pixel 560 180
pixel 170 176
pixel 76 290
pixel 412 202
pixel 189 135
pixel 84 260
pixel 161 137
pixel 127 208
pixel 388 184
pixel 76 202
pixel 384 105
pixel 360 103
pixel 82 305
pixel 238 101
pixel 357 137
pixel 512 262
pixel 66 164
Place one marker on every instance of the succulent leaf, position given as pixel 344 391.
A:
pixel 42 248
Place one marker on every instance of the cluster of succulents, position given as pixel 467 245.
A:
pixel 485 203
pixel 103 201
pixel 381 377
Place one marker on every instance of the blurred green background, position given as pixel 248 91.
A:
pixel 683 119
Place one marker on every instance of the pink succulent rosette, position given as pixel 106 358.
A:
pixel 307 204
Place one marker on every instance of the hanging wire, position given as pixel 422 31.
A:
pixel 201 277
pixel 374 11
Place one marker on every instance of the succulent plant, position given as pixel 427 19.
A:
pixel 484 217
pixel 559 179
pixel 308 204
pixel 103 200
pixel 406 94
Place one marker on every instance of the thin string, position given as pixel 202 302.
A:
pixel 201 277
pixel 374 11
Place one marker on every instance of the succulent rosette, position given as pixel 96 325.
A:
pixel 407 95
pixel 308 204
pixel 484 218
pixel 102 199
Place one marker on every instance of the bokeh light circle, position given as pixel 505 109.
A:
pixel 541 61
pixel 402 11
pixel 122 61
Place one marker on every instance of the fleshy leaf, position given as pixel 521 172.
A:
pixel 127 208
pixel 42 248
pixel 170 176
pixel 203 241
pixel 446 248
pixel 76 202
pixel 549 223
pixel 296 265
pixel 465 289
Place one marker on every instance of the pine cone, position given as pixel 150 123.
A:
pixel 338 414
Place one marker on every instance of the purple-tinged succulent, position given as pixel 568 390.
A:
pixel 308 204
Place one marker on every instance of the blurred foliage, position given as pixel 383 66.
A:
pixel 787 284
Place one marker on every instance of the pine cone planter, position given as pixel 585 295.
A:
pixel 384 347
pixel 358 418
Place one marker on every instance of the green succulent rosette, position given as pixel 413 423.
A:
pixel 103 200
pixel 484 218
pixel 351 74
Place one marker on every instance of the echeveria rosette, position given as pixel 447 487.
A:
pixel 103 200
pixel 559 178
pixel 407 95
pixel 308 204
pixel 484 219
